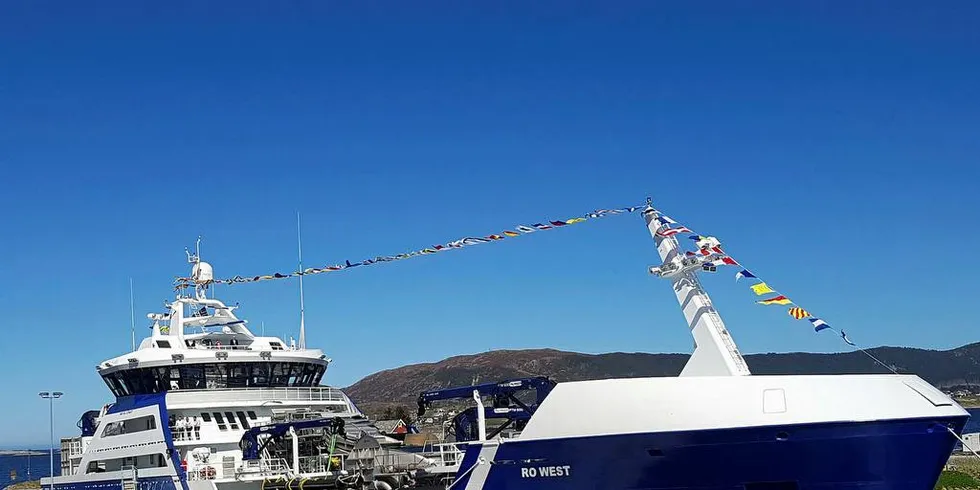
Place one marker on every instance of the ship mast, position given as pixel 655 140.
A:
pixel 715 352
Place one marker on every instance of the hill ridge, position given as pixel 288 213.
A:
pixel 943 368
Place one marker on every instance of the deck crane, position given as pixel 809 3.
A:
pixel 470 424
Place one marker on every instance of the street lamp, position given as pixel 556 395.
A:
pixel 50 396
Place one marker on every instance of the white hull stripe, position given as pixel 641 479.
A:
pixel 483 464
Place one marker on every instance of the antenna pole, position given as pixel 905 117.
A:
pixel 132 315
pixel 302 309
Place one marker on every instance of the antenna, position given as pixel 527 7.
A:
pixel 302 309
pixel 132 315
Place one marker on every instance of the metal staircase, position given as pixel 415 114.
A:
pixel 129 478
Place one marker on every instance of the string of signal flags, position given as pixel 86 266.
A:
pixel 519 230
pixel 709 246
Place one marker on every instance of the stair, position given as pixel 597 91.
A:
pixel 129 479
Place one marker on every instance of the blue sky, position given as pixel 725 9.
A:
pixel 832 147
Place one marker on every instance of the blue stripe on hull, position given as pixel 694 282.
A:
pixel 147 483
pixel 905 455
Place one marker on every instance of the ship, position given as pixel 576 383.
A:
pixel 204 404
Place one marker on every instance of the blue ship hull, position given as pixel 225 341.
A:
pixel 900 454
pixel 151 483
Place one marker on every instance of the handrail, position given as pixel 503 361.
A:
pixel 298 393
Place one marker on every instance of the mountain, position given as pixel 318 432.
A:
pixel 955 367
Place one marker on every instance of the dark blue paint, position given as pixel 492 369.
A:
pixel 149 483
pixel 903 454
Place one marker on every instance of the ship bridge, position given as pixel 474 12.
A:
pixel 199 344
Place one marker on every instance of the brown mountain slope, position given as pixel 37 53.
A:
pixel 402 385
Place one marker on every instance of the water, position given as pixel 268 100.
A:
pixel 39 467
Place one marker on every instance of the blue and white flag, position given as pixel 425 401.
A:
pixel 743 273
pixel 664 219
pixel 844 336
pixel 818 324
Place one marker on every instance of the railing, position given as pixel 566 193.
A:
pixel 218 347
pixel 319 464
pixel 445 453
pixel 265 467
pixel 300 394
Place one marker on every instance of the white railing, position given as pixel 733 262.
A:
pixel 445 453
pixel 299 394
pixel 265 467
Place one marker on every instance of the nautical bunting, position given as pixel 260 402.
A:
pixel 708 246
pixel 798 313
pixel 818 324
pixel 673 231
pixel 184 282
pixel 777 300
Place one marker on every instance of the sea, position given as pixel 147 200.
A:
pixel 13 469
pixel 17 466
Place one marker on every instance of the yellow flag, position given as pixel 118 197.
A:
pixel 762 288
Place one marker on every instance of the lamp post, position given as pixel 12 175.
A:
pixel 50 396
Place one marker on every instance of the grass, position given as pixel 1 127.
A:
pixel 956 479
pixel 961 472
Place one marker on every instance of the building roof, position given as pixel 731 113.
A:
pixel 388 426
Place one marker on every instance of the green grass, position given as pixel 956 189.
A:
pixel 956 479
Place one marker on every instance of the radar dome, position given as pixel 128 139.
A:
pixel 202 273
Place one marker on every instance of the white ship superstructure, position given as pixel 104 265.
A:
pixel 188 394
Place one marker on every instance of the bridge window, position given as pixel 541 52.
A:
pixel 129 426
pixel 220 420
pixel 163 344
pixel 231 420
pixel 243 420
pixel 264 374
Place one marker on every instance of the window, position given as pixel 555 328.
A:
pixel 275 345
pixel 141 381
pixel 231 420
pixel 241 417
pixel 251 415
pixel 220 420
pixel 130 426
pixel 163 344
pixel 206 417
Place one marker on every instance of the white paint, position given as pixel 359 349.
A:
pixel 720 402
pixel 774 401
pixel 546 471
pixel 478 477
pixel 481 419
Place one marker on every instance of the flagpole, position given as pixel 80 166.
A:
pixel 132 316
pixel 302 308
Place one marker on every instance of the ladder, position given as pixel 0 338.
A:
pixel 129 480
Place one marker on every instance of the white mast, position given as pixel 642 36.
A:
pixel 715 352
pixel 132 315
pixel 302 309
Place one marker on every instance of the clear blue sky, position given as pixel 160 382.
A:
pixel 832 147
